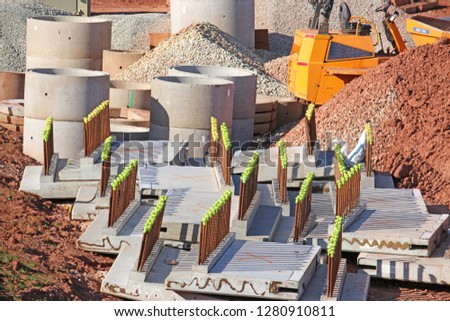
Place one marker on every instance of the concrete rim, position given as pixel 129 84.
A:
pixel 215 71
pixel 70 19
pixel 194 81
pixel 130 85
pixel 68 72
pixel 125 52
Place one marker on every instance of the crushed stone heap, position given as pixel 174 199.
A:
pixel 407 99
pixel 202 44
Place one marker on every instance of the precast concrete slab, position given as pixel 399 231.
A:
pixel 122 279
pixel 394 222
pixel 434 269
pixel 262 270
pixel 299 163
pixel 35 183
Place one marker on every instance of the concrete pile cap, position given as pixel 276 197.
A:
pixel 194 81
pixel 214 71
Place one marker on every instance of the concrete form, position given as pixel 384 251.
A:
pixel 434 269
pixel 67 42
pixel 395 221
pixel 299 163
pixel 124 281
pixel 191 191
pixel 116 61
pixel 182 108
pixel 129 94
pixel 67 95
pixel 235 17
pixel 244 95
pixel 12 85
pixel 262 270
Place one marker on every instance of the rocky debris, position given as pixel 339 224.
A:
pixel 39 259
pixel 278 69
pixel 406 98
pixel 202 44
pixel 13 24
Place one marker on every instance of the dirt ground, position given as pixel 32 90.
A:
pixel 39 259
pixel 38 256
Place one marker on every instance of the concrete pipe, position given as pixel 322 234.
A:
pixel 130 94
pixel 67 42
pixel 244 94
pixel 11 85
pixel 182 108
pixel 115 61
pixel 235 17
pixel 67 95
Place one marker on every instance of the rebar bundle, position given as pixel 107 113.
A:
pixel 152 229
pixel 47 137
pixel 106 165
pixel 225 153
pixel 310 128
pixel 96 128
pixel 248 185
pixel 348 191
pixel 214 142
pixel 215 226
pixel 123 190
pixel 334 253
pixel 282 171
pixel 303 206
pixel 369 142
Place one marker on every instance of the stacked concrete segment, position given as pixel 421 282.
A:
pixel 244 94
pixel 235 17
pixel 182 108
pixel 115 61
pixel 67 95
pixel 11 85
pixel 67 42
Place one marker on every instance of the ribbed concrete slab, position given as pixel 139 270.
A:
pixel 395 221
pixel 434 269
pixel 263 270
pixel 299 163
pixel 119 280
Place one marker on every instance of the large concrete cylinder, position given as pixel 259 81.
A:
pixel 11 85
pixel 67 95
pixel 67 42
pixel 244 94
pixel 116 61
pixel 235 17
pixel 182 108
pixel 130 94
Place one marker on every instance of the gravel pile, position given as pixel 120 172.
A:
pixel 278 69
pixel 202 44
pixel 13 24
pixel 130 32
pixel 407 100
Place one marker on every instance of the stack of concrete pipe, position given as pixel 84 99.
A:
pixel 116 61
pixel 243 99
pixel 67 95
pixel 182 108
pixel 62 81
pixel 235 17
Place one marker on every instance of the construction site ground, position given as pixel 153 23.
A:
pixel 40 261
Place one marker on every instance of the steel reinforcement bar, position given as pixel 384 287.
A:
pixel 152 229
pixel 96 128
pixel 303 206
pixel 282 171
pixel 310 128
pixel 123 190
pixel 215 226
pixel 47 137
pixel 334 253
pixel 248 185
pixel 225 153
